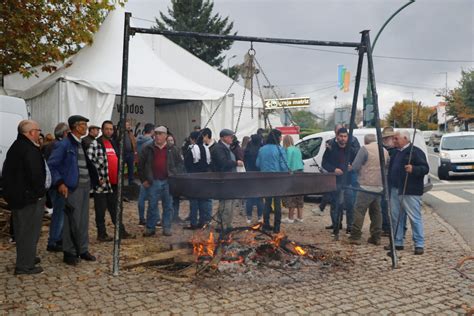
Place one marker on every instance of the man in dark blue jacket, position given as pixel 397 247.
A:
pixel 406 201
pixel 72 173
pixel 334 160
pixel 26 181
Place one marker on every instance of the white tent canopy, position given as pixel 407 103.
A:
pixel 90 81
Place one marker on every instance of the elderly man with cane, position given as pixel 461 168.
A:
pixel 405 175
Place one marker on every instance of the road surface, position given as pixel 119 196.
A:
pixel 452 199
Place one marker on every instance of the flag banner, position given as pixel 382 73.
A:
pixel 340 76
pixel 347 80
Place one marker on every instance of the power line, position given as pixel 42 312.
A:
pixel 353 54
pixel 381 56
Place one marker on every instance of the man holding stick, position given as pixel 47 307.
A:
pixel 406 172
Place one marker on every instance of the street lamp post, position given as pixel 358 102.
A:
pixel 368 102
pixel 228 64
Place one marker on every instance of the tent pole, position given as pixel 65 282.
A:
pixel 385 197
pixel 121 129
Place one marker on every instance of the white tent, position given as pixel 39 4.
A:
pixel 164 88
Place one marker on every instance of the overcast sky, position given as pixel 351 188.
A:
pixel 427 29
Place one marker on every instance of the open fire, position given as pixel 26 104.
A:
pixel 244 246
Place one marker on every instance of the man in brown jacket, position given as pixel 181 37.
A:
pixel 367 164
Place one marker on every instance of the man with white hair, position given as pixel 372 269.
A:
pixel 405 200
pixel 26 180
pixel 367 164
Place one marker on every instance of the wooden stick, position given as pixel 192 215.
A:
pixel 158 257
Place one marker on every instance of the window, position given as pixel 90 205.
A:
pixel 310 148
pixel 458 142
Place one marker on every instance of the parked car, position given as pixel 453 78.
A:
pixel 427 135
pixel 313 146
pixel 435 138
pixel 456 155
pixel 12 111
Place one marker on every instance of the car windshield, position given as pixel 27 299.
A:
pixel 310 148
pixel 458 142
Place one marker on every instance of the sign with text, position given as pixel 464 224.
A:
pixel 139 112
pixel 302 102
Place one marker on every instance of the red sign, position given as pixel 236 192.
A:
pixel 289 130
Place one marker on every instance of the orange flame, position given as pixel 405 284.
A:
pixel 277 239
pixel 300 250
pixel 203 246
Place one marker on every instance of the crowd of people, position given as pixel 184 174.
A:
pixel 406 165
pixel 64 171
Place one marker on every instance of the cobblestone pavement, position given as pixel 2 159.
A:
pixel 425 284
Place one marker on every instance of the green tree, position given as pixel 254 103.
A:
pixel 304 119
pixel 197 16
pixel 44 32
pixel 400 115
pixel 461 99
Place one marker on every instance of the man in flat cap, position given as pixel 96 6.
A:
pixel 72 174
pixel 224 160
pixel 94 131
pixel 157 162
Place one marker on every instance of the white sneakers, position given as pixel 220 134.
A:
pixel 291 221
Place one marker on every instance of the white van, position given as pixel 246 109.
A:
pixel 313 147
pixel 456 154
pixel 12 111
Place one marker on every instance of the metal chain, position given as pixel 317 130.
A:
pixel 285 108
pixel 249 74
pixel 220 103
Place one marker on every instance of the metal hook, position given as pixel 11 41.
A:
pixel 252 51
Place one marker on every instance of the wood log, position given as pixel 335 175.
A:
pixel 158 257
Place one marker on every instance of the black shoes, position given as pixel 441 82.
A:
pixel 419 251
pixel 167 232
pixel 141 223
pixel 396 247
pixel 54 248
pixel 70 259
pixel 332 227
pixel 37 260
pixel 191 227
pixel 149 233
pixel 104 238
pixel 87 256
pixel 374 241
pixel 34 270
pixel 126 235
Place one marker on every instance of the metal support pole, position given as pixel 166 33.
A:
pixel 121 129
pixel 385 197
pixel 244 38
pixel 352 124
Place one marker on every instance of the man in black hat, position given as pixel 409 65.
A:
pixel 72 173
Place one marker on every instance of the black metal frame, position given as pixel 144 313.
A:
pixel 364 47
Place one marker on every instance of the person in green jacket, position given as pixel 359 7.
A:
pixel 295 163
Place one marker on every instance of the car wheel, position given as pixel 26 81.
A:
pixel 443 174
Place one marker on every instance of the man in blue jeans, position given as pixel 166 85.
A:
pixel 334 160
pixel 143 140
pixel 157 162
pixel 406 201
pixel 57 219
